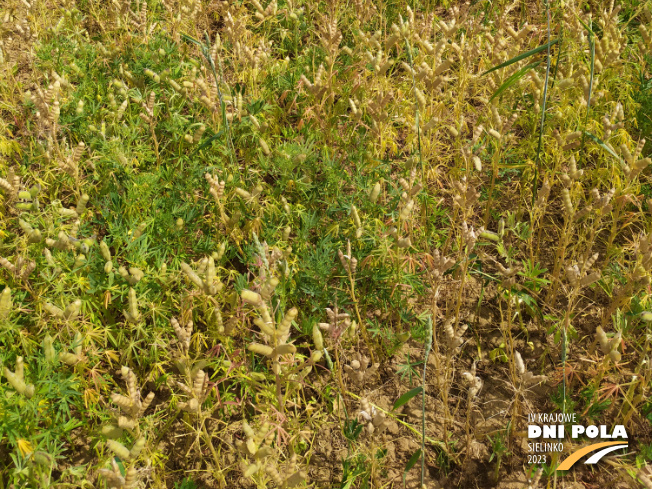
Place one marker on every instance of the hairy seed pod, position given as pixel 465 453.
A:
pixel 5 303
pixel 375 193
pixel 42 458
pixel 53 310
pixel 48 349
pixel 495 133
pixel 137 448
pixel 264 147
pixel 139 230
pixel 568 205
pixel 290 316
pixel 134 315
pixel 260 349
pixel 80 261
pixel 251 297
pixel 477 163
pixel 356 217
pixel 104 249
pixel 81 204
pixel 69 358
pixel 520 366
pixel 286 349
pixel 404 243
pixel 317 337
pixel 119 449
pixel 406 210
pixel 194 278
pixel 72 310
pixel 265 327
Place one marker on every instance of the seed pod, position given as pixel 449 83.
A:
pixel 119 449
pixel 317 337
pixel 286 349
pixel 375 193
pixel 108 266
pixel 52 309
pixel 132 313
pixel 261 349
pixel 490 236
pixel 407 210
pixel 48 349
pixel 194 278
pixel 404 243
pixel 263 146
pixel 590 279
pixel 243 193
pixel 316 356
pixel 520 366
pixel 602 339
pixel 69 358
pixel 266 328
pixel 42 458
pixel 104 249
pixel 355 216
pixel 81 204
pixel 286 233
pixel 80 261
pixel 139 230
pixel 199 133
pixel 251 297
pixel 72 310
pixel 290 315
pixel 5 303
pixel 477 163
pixel 253 468
pixel 568 205
pixel 137 448
pixel 111 431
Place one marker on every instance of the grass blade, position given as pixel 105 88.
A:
pixel 603 144
pixel 588 102
pixel 543 108
pixel 406 397
pixel 513 79
pixel 188 38
pixel 518 58
pixel 411 463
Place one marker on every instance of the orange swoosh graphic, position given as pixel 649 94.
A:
pixel 574 457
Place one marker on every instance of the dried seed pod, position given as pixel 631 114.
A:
pixel 568 205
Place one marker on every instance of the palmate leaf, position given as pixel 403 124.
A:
pixel 514 78
pixel 518 58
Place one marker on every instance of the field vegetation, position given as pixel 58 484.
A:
pixel 327 244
